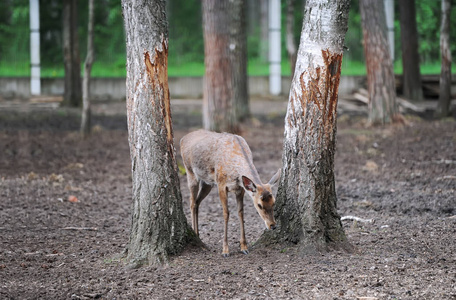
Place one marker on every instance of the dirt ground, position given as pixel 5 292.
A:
pixel 400 178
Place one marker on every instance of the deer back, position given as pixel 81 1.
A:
pixel 218 158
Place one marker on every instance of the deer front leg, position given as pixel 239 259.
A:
pixel 223 194
pixel 240 206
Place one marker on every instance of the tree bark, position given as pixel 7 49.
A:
pixel 72 94
pixel 238 58
pixel 219 113
pixel 443 109
pixel 86 112
pixel 380 76
pixel 291 45
pixel 159 227
pixel 306 208
pixel 412 88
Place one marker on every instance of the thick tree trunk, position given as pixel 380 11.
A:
pixel 412 88
pixel 219 112
pixel 306 199
pixel 159 227
pixel 86 114
pixel 443 109
pixel 72 94
pixel 380 75
pixel 238 57
pixel 291 45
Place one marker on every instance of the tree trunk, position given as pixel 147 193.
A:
pixel 86 114
pixel 443 109
pixel 291 45
pixel 412 88
pixel 253 17
pixel 218 108
pixel 72 94
pixel 159 227
pixel 306 199
pixel 238 58
pixel 264 31
pixel 380 75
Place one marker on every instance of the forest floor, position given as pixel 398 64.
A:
pixel 65 214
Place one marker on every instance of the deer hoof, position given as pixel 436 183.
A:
pixel 245 251
pixel 226 255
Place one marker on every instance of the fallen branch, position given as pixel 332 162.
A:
pixel 81 228
pixel 54 254
pixel 357 219
pixel 361 98
pixel 446 177
pixel 409 105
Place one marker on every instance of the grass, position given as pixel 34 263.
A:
pixel 254 68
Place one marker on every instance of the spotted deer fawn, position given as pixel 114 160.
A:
pixel 225 160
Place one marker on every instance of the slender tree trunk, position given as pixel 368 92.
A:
pixel 443 109
pixel 238 58
pixel 380 75
pixel 291 45
pixel 412 88
pixel 218 108
pixel 159 227
pixel 306 199
pixel 264 31
pixel 253 17
pixel 72 94
pixel 86 113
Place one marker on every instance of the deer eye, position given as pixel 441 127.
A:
pixel 260 206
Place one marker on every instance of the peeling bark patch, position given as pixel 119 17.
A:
pixel 157 70
pixel 333 63
pixel 322 87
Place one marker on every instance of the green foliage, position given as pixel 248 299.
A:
pixel 428 25
pixel 51 24
pixel 186 44
pixel 15 35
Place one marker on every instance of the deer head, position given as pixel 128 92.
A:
pixel 263 199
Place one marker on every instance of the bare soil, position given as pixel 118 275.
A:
pixel 401 178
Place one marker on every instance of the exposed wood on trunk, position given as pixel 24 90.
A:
pixel 86 111
pixel 306 198
pixel 412 88
pixel 445 72
pixel 380 76
pixel 159 227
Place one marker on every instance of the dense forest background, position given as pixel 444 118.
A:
pixel 186 46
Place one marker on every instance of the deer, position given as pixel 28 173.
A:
pixel 225 160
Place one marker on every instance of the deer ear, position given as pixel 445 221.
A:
pixel 248 184
pixel 275 178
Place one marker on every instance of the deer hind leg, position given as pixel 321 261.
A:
pixel 193 185
pixel 203 190
pixel 240 206
pixel 223 194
